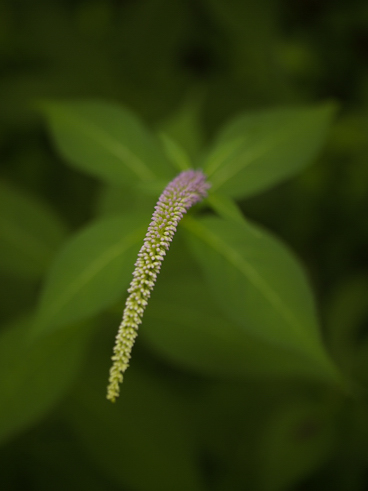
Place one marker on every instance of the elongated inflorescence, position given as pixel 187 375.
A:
pixel 184 191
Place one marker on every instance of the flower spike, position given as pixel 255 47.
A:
pixel 188 188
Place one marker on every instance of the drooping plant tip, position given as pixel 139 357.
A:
pixel 187 189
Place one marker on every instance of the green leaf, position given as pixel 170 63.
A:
pixel 260 285
pixel 145 441
pixel 113 200
pixel 91 272
pixel 184 325
pixel 225 207
pixel 107 141
pixel 176 153
pixel 259 150
pixel 35 376
pixel 30 233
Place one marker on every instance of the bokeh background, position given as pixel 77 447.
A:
pixel 187 66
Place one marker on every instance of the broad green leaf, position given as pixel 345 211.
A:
pixel 34 376
pixel 296 440
pixel 262 149
pixel 260 285
pixel 145 441
pixel 29 233
pixel 107 141
pixel 184 325
pixel 91 272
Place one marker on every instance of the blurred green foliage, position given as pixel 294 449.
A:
pixel 191 416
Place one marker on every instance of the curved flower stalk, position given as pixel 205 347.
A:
pixel 184 191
